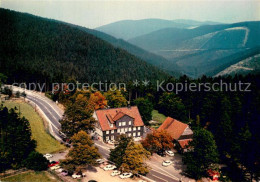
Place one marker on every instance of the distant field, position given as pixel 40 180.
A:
pixel 45 142
pixel 31 177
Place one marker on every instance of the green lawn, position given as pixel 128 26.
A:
pixel 158 116
pixel 31 177
pixel 45 142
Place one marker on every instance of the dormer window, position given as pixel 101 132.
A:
pixel 130 123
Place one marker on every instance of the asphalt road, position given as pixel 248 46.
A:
pixel 49 111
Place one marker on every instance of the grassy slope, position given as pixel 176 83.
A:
pixel 45 142
pixel 157 117
pixel 32 177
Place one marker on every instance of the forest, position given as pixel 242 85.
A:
pixel 40 50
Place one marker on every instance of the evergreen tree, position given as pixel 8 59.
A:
pixel 16 143
pixel 202 153
pixel 116 154
pixel 145 108
pixel 171 105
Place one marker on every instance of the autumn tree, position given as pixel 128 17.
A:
pixel 134 159
pixel 145 107
pixel 201 154
pixel 158 141
pixel 78 116
pixel 82 153
pixel 115 98
pixel 97 100
pixel 119 150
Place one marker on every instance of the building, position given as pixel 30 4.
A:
pixel 180 132
pixel 113 122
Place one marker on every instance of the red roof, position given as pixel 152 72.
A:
pixel 184 143
pixel 105 116
pixel 174 127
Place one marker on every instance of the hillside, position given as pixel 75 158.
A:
pixel 149 57
pixel 127 29
pixel 249 65
pixel 35 49
pixel 200 50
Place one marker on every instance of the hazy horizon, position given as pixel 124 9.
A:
pixel 92 14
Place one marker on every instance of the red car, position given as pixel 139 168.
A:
pixel 53 163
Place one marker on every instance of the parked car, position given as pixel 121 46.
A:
pixel 59 170
pixel 55 167
pixel 170 153
pixel 161 153
pixel 125 175
pixel 100 161
pixel 64 173
pixel 137 139
pixel 48 156
pixel 166 163
pixel 53 163
pixel 109 167
pixel 111 142
pixel 76 176
pixel 115 173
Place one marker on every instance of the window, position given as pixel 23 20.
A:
pixel 119 123
pixel 139 127
pixel 112 131
pixel 107 132
pixel 123 124
pixel 134 134
pixel 125 129
pixel 134 128
pixel 139 134
pixel 129 122
pixel 129 134
pixel 130 129
pixel 107 138
pixel 112 137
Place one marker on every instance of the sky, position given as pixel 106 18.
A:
pixel 95 13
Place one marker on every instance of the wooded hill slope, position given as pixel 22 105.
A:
pixel 43 50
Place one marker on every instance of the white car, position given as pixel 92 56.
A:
pixel 59 170
pixel 109 167
pixel 115 173
pixel 111 142
pixel 166 163
pixel 100 161
pixel 48 156
pixel 170 153
pixel 125 175
pixel 76 176
pixel 55 167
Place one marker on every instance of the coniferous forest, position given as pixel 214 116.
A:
pixel 41 50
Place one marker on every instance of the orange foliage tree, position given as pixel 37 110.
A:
pixel 158 142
